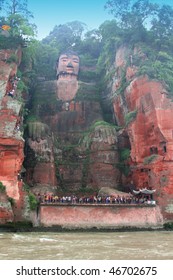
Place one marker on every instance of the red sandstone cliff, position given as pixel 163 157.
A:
pixel 149 130
pixel 11 140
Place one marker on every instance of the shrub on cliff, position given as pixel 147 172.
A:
pixel 150 159
pixel 129 117
pixel 11 200
pixel 32 201
pixel 168 226
pixel 123 165
pixel 12 58
pixel 2 187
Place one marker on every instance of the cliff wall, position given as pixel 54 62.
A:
pixel 145 110
pixel 70 148
pixel 11 140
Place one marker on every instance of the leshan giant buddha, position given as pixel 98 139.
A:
pixel 67 72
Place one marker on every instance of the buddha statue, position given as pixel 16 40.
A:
pixel 67 72
pixel 68 64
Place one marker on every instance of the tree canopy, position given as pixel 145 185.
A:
pixel 16 14
pixel 143 14
pixel 136 22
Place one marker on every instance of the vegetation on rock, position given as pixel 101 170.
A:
pixel 2 187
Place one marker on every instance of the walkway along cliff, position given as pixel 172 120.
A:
pixel 70 148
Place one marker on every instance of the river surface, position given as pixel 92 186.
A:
pixel 157 245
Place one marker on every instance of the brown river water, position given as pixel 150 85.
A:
pixel 142 245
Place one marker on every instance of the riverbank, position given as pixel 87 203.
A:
pixel 88 217
pixel 28 227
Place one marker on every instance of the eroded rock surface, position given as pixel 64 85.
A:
pixel 11 140
pixel 149 109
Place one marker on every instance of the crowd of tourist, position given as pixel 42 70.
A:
pixel 11 91
pixel 12 86
pixel 95 199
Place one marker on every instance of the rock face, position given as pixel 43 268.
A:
pixel 79 153
pixel 70 148
pixel 6 212
pixel 146 111
pixel 11 141
pixel 40 152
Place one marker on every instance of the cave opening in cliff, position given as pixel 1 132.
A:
pixel 153 150
pixel 163 146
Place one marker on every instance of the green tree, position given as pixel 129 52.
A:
pixel 118 7
pixel 111 38
pixel 44 60
pixel 129 13
pixel 17 16
pixel 17 7
pixel 162 26
pixel 144 21
pixel 91 43
pixel 66 36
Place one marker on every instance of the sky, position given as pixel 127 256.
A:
pixel 48 13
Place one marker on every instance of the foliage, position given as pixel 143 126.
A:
pixel 87 60
pixel 168 226
pixel 150 159
pixel 85 170
pixel 143 21
pixel 124 84
pixel 32 118
pixel 65 36
pixel 9 42
pixel 91 45
pixel 157 65
pixel 101 123
pixel 16 15
pixel 12 58
pixel 17 7
pixel 124 154
pixel 26 187
pixel 33 203
pixel 21 86
pixel 37 130
pixel 129 117
pixel 123 165
pixel 154 40
pixel 43 60
pixel 162 25
pixel 20 26
pixel 2 187
pixel 132 13
pixel 88 76
pixel 111 39
pixel 11 200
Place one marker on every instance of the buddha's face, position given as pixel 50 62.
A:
pixel 68 64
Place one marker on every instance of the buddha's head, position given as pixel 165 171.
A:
pixel 68 64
